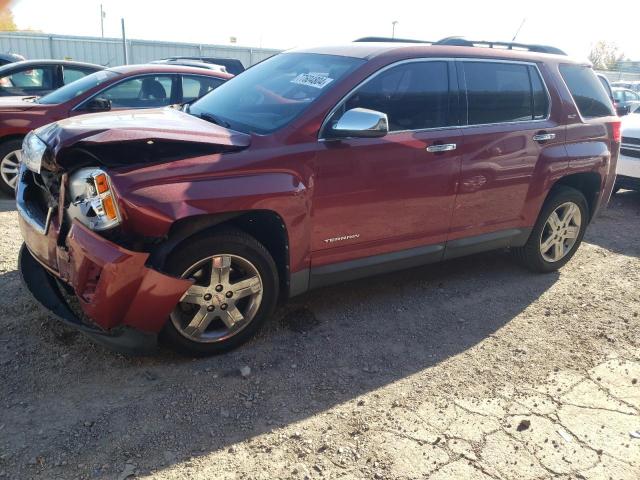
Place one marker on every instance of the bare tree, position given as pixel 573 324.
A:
pixel 604 55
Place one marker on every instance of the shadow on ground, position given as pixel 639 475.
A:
pixel 606 231
pixel 7 204
pixel 97 410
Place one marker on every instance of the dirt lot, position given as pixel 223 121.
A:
pixel 470 369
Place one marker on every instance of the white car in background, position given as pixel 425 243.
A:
pixel 628 170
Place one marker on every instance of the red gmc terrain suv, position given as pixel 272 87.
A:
pixel 313 167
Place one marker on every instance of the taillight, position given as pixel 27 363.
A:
pixel 616 131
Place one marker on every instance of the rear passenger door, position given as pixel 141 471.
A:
pixel 507 128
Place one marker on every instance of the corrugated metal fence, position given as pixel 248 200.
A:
pixel 615 76
pixel 109 51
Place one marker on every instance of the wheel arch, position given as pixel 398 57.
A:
pixel 266 226
pixel 587 183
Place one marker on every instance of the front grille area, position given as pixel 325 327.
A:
pixel 631 140
pixel 37 197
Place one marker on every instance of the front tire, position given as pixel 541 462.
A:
pixel 558 232
pixel 235 290
pixel 9 166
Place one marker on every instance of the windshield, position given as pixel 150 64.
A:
pixel 271 94
pixel 73 89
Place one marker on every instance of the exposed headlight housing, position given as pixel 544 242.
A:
pixel 33 149
pixel 92 199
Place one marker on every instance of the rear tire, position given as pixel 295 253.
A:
pixel 235 291
pixel 9 165
pixel 558 232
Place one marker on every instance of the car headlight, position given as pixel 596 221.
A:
pixel 92 200
pixel 33 149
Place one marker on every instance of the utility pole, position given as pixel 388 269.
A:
pixel 393 28
pixel 124 43
pixel 102 15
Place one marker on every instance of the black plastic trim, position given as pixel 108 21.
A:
pixel 515 237
pixel 374 265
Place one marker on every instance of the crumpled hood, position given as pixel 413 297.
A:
pixel 631 125
pixel 162 125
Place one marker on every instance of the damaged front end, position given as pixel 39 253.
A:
pixel 70 219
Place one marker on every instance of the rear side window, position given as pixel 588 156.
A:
pixel 414 96
pixel 504 92
pixel 198 86
pixel 587 91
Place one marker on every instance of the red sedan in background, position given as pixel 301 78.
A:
pixel 118 88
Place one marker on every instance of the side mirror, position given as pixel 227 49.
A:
pixel 98 105
pixel 360 123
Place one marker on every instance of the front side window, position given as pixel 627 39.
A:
pixel 271 94
pixel 196 86
pixel 414 96
pixel 147 91
pixel 504 92
pixel 33 79
pixel 588 93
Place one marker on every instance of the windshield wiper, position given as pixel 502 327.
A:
pixel 209 117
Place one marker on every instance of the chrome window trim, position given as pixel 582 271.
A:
pixel 321 138
pixel 86 100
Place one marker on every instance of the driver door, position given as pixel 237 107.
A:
pixel 373 196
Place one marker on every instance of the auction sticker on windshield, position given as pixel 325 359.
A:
pixel 315 80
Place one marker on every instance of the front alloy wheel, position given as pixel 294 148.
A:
pixel 223 300
pixel 9 166
pixel 235 289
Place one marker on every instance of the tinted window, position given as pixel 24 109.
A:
pixel 588 93
pixel 272 93
pixel 70 74
pixel 38 78
pixel 195 86
pixel 504 92
pixel 140 92
pixel 413 95
pixel 74 89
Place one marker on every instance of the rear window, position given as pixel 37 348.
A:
pixel 587 91
pixel 504 92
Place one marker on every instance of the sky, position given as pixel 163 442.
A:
pixel 571 25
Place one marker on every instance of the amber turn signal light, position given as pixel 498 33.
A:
pixel 102 185
pixel 109 207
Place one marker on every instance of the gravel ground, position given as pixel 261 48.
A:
pixel 473 369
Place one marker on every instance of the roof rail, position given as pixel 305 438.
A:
pixel 463 42
pixel 390 39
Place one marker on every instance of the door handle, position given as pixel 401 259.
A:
pixel 443 147
pixel 543 137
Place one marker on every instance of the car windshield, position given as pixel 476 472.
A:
pixel 74 89
pixel 271 94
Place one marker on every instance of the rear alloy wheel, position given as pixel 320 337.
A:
pixel 234 291
pixel 9 165
pixel 558 231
